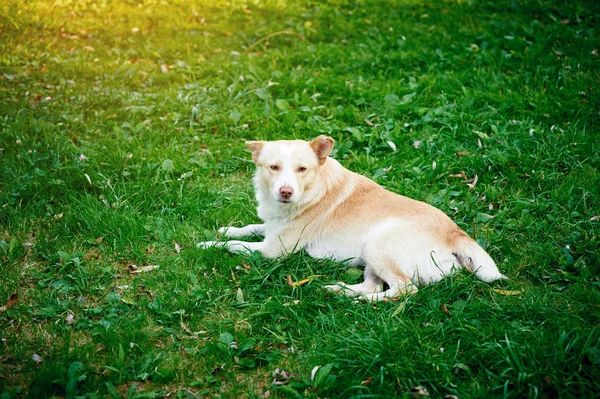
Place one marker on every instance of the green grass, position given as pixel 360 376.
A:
pixel 159 98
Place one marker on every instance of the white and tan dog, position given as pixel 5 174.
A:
pixel 308 200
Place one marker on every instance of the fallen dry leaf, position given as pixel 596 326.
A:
pixel 281 377
pixel 400 307
pixel 185 328
pixel 70 319
pixel 419 391
pixel 177 247
pixel 594 218
pixel 472 185
pixel 367 381
pixel 136 270
pixel 304 281
pixel 507 292
pixel 462 175
pixel 289 280
pixel 463 153
pixel 14 298
pixel 239 295
pixel 127 300
pixel 444 308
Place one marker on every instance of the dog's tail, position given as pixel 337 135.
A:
pixel 475 259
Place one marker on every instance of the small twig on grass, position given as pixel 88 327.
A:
pixel 283 32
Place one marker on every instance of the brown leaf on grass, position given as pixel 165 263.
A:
pixel 289 280
pixel 595 218
pixel 149 295
pixel 418 391
pixel 472 185
pixel 462 175
pixel 304 281
pixel 463 153
pixel 444 308
pixel 558 53
pixel 367 381
pixel 281 377
pixel 185 328
pixel 134 269
pixel 507 292
pixel 12 301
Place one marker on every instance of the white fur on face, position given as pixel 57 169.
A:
pixel 287 175
pixel 288 157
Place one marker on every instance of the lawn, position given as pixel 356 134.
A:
pixel 122 129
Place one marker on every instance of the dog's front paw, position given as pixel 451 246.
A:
pixel 206 244
pixel 233 232
pixel 335 288
pixel 224 230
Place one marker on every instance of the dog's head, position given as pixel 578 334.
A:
pixel 287 169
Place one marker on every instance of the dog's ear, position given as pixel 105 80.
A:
pixel 322 146
pixel 256 147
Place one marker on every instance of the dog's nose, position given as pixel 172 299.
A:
pixel 286 192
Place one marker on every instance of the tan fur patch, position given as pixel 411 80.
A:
pixel 256 147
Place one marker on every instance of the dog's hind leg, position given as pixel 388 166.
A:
pixel 372 284
pixel 389 270
pixel 236 232
pixel 396 290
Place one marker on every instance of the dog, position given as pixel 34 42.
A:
pixel 309 201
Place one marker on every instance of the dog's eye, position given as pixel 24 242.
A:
pixel 302 169
pixel 274 167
